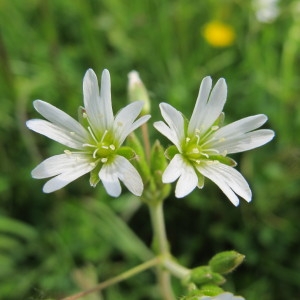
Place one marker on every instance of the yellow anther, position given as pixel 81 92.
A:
pixel 68 152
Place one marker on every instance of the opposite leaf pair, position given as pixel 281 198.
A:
pixel 201 144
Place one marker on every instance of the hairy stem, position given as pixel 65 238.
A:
pixel 160 244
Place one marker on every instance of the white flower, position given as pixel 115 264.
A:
pixel 97 140
pixel 266 10
pixel 202 145
pixel 223 296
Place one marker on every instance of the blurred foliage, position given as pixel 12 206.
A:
pixel 54 245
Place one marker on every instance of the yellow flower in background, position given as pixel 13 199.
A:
pixel 219 34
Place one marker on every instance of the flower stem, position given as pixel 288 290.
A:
pixel 160 244
pixel 129 273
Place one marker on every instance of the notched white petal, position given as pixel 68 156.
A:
pixel 56 133
pixel 229 180
pixel 58 164
pixel 174 119
pixel 67 176
pixel 199 111
pixel 125 123
pixel 121 169
pixel 60 118
pixel 179 168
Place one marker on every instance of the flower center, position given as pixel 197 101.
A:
pixel 103 148
pixel 197 147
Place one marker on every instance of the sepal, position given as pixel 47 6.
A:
pixel 171 152
pixel 225 262
pixel 205 275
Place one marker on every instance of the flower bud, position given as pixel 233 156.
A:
pixel 225 262
pixel 138 92
pixel 204 275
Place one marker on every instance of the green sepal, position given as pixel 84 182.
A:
pixel 94 175
pixel 82 117
pixel 226 261
pixel 140 161
pixel 127 152
pixel 224 160
pixel 171 152
pixel 201 180
pixel 205 290
pixel 205 275
pixel 220 120
pixel 158 163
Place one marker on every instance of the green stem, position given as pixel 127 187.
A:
pixel 129 273
pixel 161 246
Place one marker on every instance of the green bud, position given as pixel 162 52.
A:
pixel 204 275
pixel 205 290
pixel 138 92
pixel 225 262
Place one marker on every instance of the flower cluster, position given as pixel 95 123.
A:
pixel 200 149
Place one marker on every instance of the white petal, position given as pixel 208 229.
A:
pixel 61 119
pixel 71 174
pixel 124 122
pixel 229 180
pixel 186 182
pixel 173 170
pixel 214 105
pixel 121 169
pixel 113 188
pixel 56 133
pixel 175 121
pixel 105 95
pixel 199 109
pixel 244 142
pixel 207 111
pixel 240 127
pixel 58 164
pixel 98 108
pixel 188 178
pixel 167 132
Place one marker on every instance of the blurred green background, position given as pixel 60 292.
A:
pixel 54 245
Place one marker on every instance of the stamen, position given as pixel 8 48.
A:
pixel 93 164
pixel 68 152
pixel 92 134
pixel 112 147
pixel 95 152
pixel 89 145
pixel 103 136
pixel 84 115
pixel 104 160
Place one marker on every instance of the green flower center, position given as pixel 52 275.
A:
pixel 197 147
pixel 101 149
